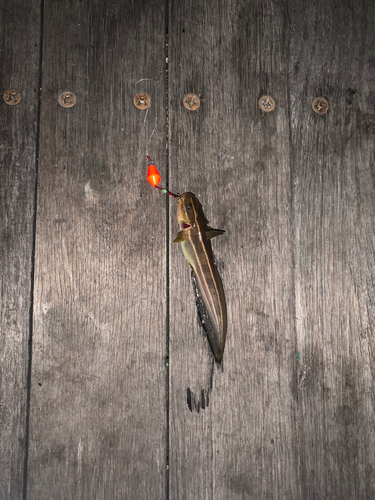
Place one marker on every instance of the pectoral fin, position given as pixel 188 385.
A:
pixel 211 233
pixel 180 237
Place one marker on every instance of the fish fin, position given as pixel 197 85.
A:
pixel 211 233
pixel 180 237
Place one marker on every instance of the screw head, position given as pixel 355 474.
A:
pixel 142 100
pixel 12 97
pixel 191 102
pixel 320 105
pixel 266 103
pixel 67 99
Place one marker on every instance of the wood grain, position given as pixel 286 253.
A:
pixel 19 68
pixel 332 54
pixel 98 405
pixel 290 413
pixel 236 160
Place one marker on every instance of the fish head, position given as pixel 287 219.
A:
pixel 189 212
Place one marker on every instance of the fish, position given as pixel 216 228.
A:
pixel 195 237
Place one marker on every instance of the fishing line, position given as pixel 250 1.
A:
pixel 152 133
pixel 153 175
pixel 151 97
pixel 148 79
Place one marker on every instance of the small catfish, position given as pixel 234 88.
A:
pixel 195 238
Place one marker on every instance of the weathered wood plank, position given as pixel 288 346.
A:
pixel 19 66
pixel 98 405
pixel 236 159
pixel 332 54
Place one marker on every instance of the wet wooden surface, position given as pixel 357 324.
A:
pixel 332 160
pixel 98 384
pixel 19 69
pixel 236 159
pixel 118 395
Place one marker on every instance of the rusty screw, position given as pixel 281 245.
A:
pixel 142 100
pixel 12 97
pixel 67 99
pixel 191 102
pixel 320 105
pixel 266 103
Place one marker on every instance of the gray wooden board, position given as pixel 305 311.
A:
pixel 332 54
pixel 290 414
pixel 236 160
pixel 98 393
pixel 19 69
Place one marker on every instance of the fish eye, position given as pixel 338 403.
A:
pixel 189 206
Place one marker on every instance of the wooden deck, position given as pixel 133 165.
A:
pixel 108 389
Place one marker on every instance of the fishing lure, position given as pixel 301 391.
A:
pixel 195 235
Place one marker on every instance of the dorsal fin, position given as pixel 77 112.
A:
pixel 211 233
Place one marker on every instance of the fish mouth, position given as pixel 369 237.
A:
pixel 184 226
